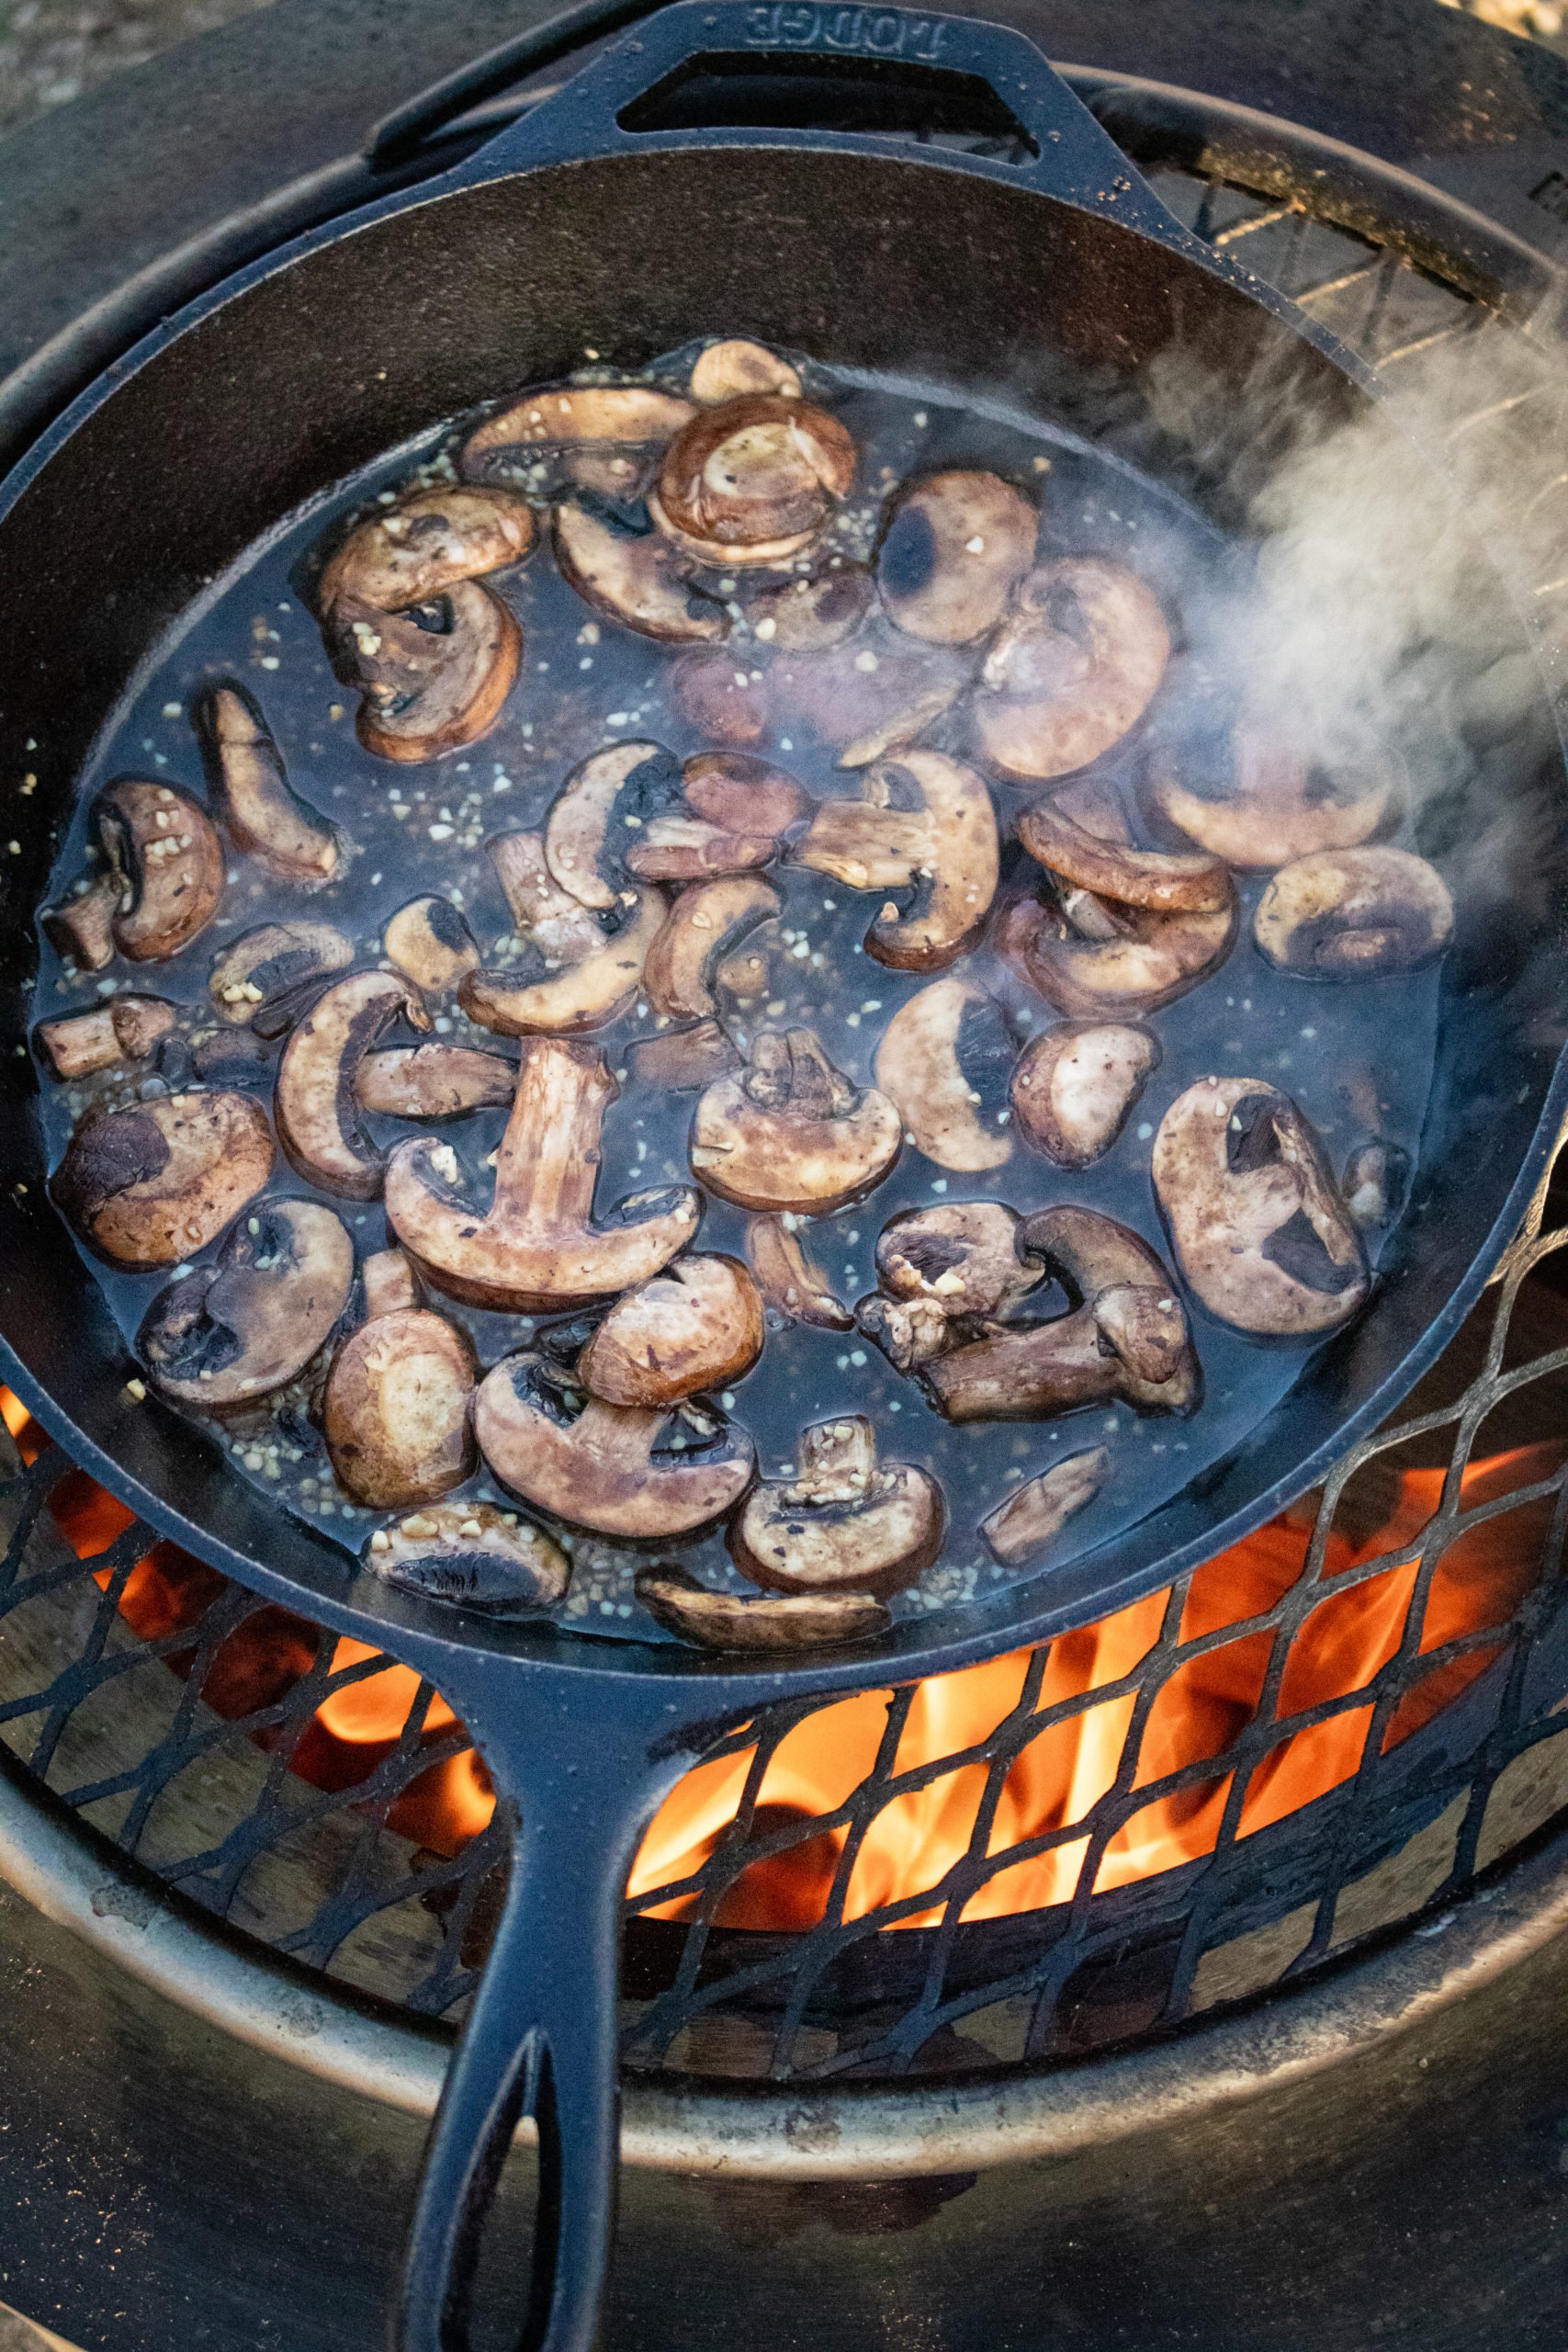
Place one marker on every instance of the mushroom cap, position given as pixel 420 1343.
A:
pixel 727 370
pixel 1088 957
pixel 414 551
pixel 386 1280
pixel 1021 1527
pixel 1073 670
pixel 753 480
pixel 1375 1183
pixel 396 1411
pixel 1280 808
pixel 732 816
pixel 474 1555
pixel 265 815
pixel 677 1061
pixel 149 1185
pixel 609 1468
pixel 843 1524
pixel 924 819
pixel 637 578
pixel 1352 914
pixel 605 420
pixel 861 701
pixel 436 1081
pixel 791 1132
pixel 585 827
pixel 765 1624
pixel 956 546
pixel 698 1325
pixel 427 690
pixel 712 696
pixel 1259 1231
pixel 788 1279
pixel 704 923
pixel 967 1255
pixel 229 1333
pixel 593 990
pixel 429 940
pixel 164 846
pixel 1075 1085
pixel 271 963
pixel 319 1122
pixel 934 1053
pixel 1193 882
pixel 807 616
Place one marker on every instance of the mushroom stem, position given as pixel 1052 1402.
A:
pixel 550 1150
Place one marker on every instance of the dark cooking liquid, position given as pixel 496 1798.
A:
pixel 1357 1058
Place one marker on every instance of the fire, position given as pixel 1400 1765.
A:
pixel 930 1820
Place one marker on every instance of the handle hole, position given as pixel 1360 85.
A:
pixel 892 98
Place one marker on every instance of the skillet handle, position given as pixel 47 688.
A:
pixel 957 64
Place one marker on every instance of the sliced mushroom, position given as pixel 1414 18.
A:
pixel 1020 1529
pixel 537 1246
pixel 946 1274
pixel 1124 1335
pixel 164 847
pixel 473 1556
pixel 808 615
pixel 621 1470
pixel 562 928
pixel 594 988
pixel 126 1030
pixel 1350 914
pixel 733 815
pixel 389 1284
pixel 841 1524
pixel 1375 1184
pixel 272 968
pixel 678 1060
pixel 265 815
pixel 945 1058
pixel 1151 878
pixel 1073 670
pixel 792 1132
pixel 586 832
pixel 150 1185
pixel 635 577
pixel 754 481
pixel 1090 957
pixel 698 1325
pixel 1075 1084
pixel 769 1624
pixel 719 699
pixel 433 679
pixel 436 1081
pixel 788 1279
pixel 429 940
pixel 320 1121
pixel 704 924
pixel 1281 806
pixel 395 1412
pixel 83 927
pixel 923 819
pixel 862 701
pixel 605 435
pixel 229 1333
pixel 956 546
pixel 411 552
pixel 1259 1229
pixel 725 371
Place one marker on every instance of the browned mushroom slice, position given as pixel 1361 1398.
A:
pixel 605 435
pixel 810 615
pixel 273 967
pixel 611 1468
pixel 792 1132
pixel 945 1273
pixel 319 1122
pixel 473 1556
pixel 956 546
pixel 557 924
pixel 678 1060
pixel 635 577
pixel 395 1412
pixel 429 940
pixel 1126 1335
pixel 594 988
pixel 537 1246
pixel 926 820
pixel 703 925
pixel 433 679
pixel 1348 914
pixel 733 815
pixel 1075 1085
pixel 1152 878
pixel 754 481
pixel 586 834
pixel 264 813
pixel 725 371
pixel 861 701
pixel 389 1284
pixel 1072 670
pixel 945 1058
pixel 170 860
pixel 1259 1231
pixel 842 1523
pixel 1280 808
pixel 127 1030
pixel 83 927
pixel 698 1325
pixel 788 1279
pixel 1376 1181
pixel 1090 957
pixel 747 974
pixel 718 697
pixel 414 551
pixel 229 1333
pixel 1020 1528
pixel 147 1186
pixel 436 1081
pixel 766 1625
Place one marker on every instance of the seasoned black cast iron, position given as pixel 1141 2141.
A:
pixel 632 214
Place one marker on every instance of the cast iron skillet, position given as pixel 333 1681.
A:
pixel 676 188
